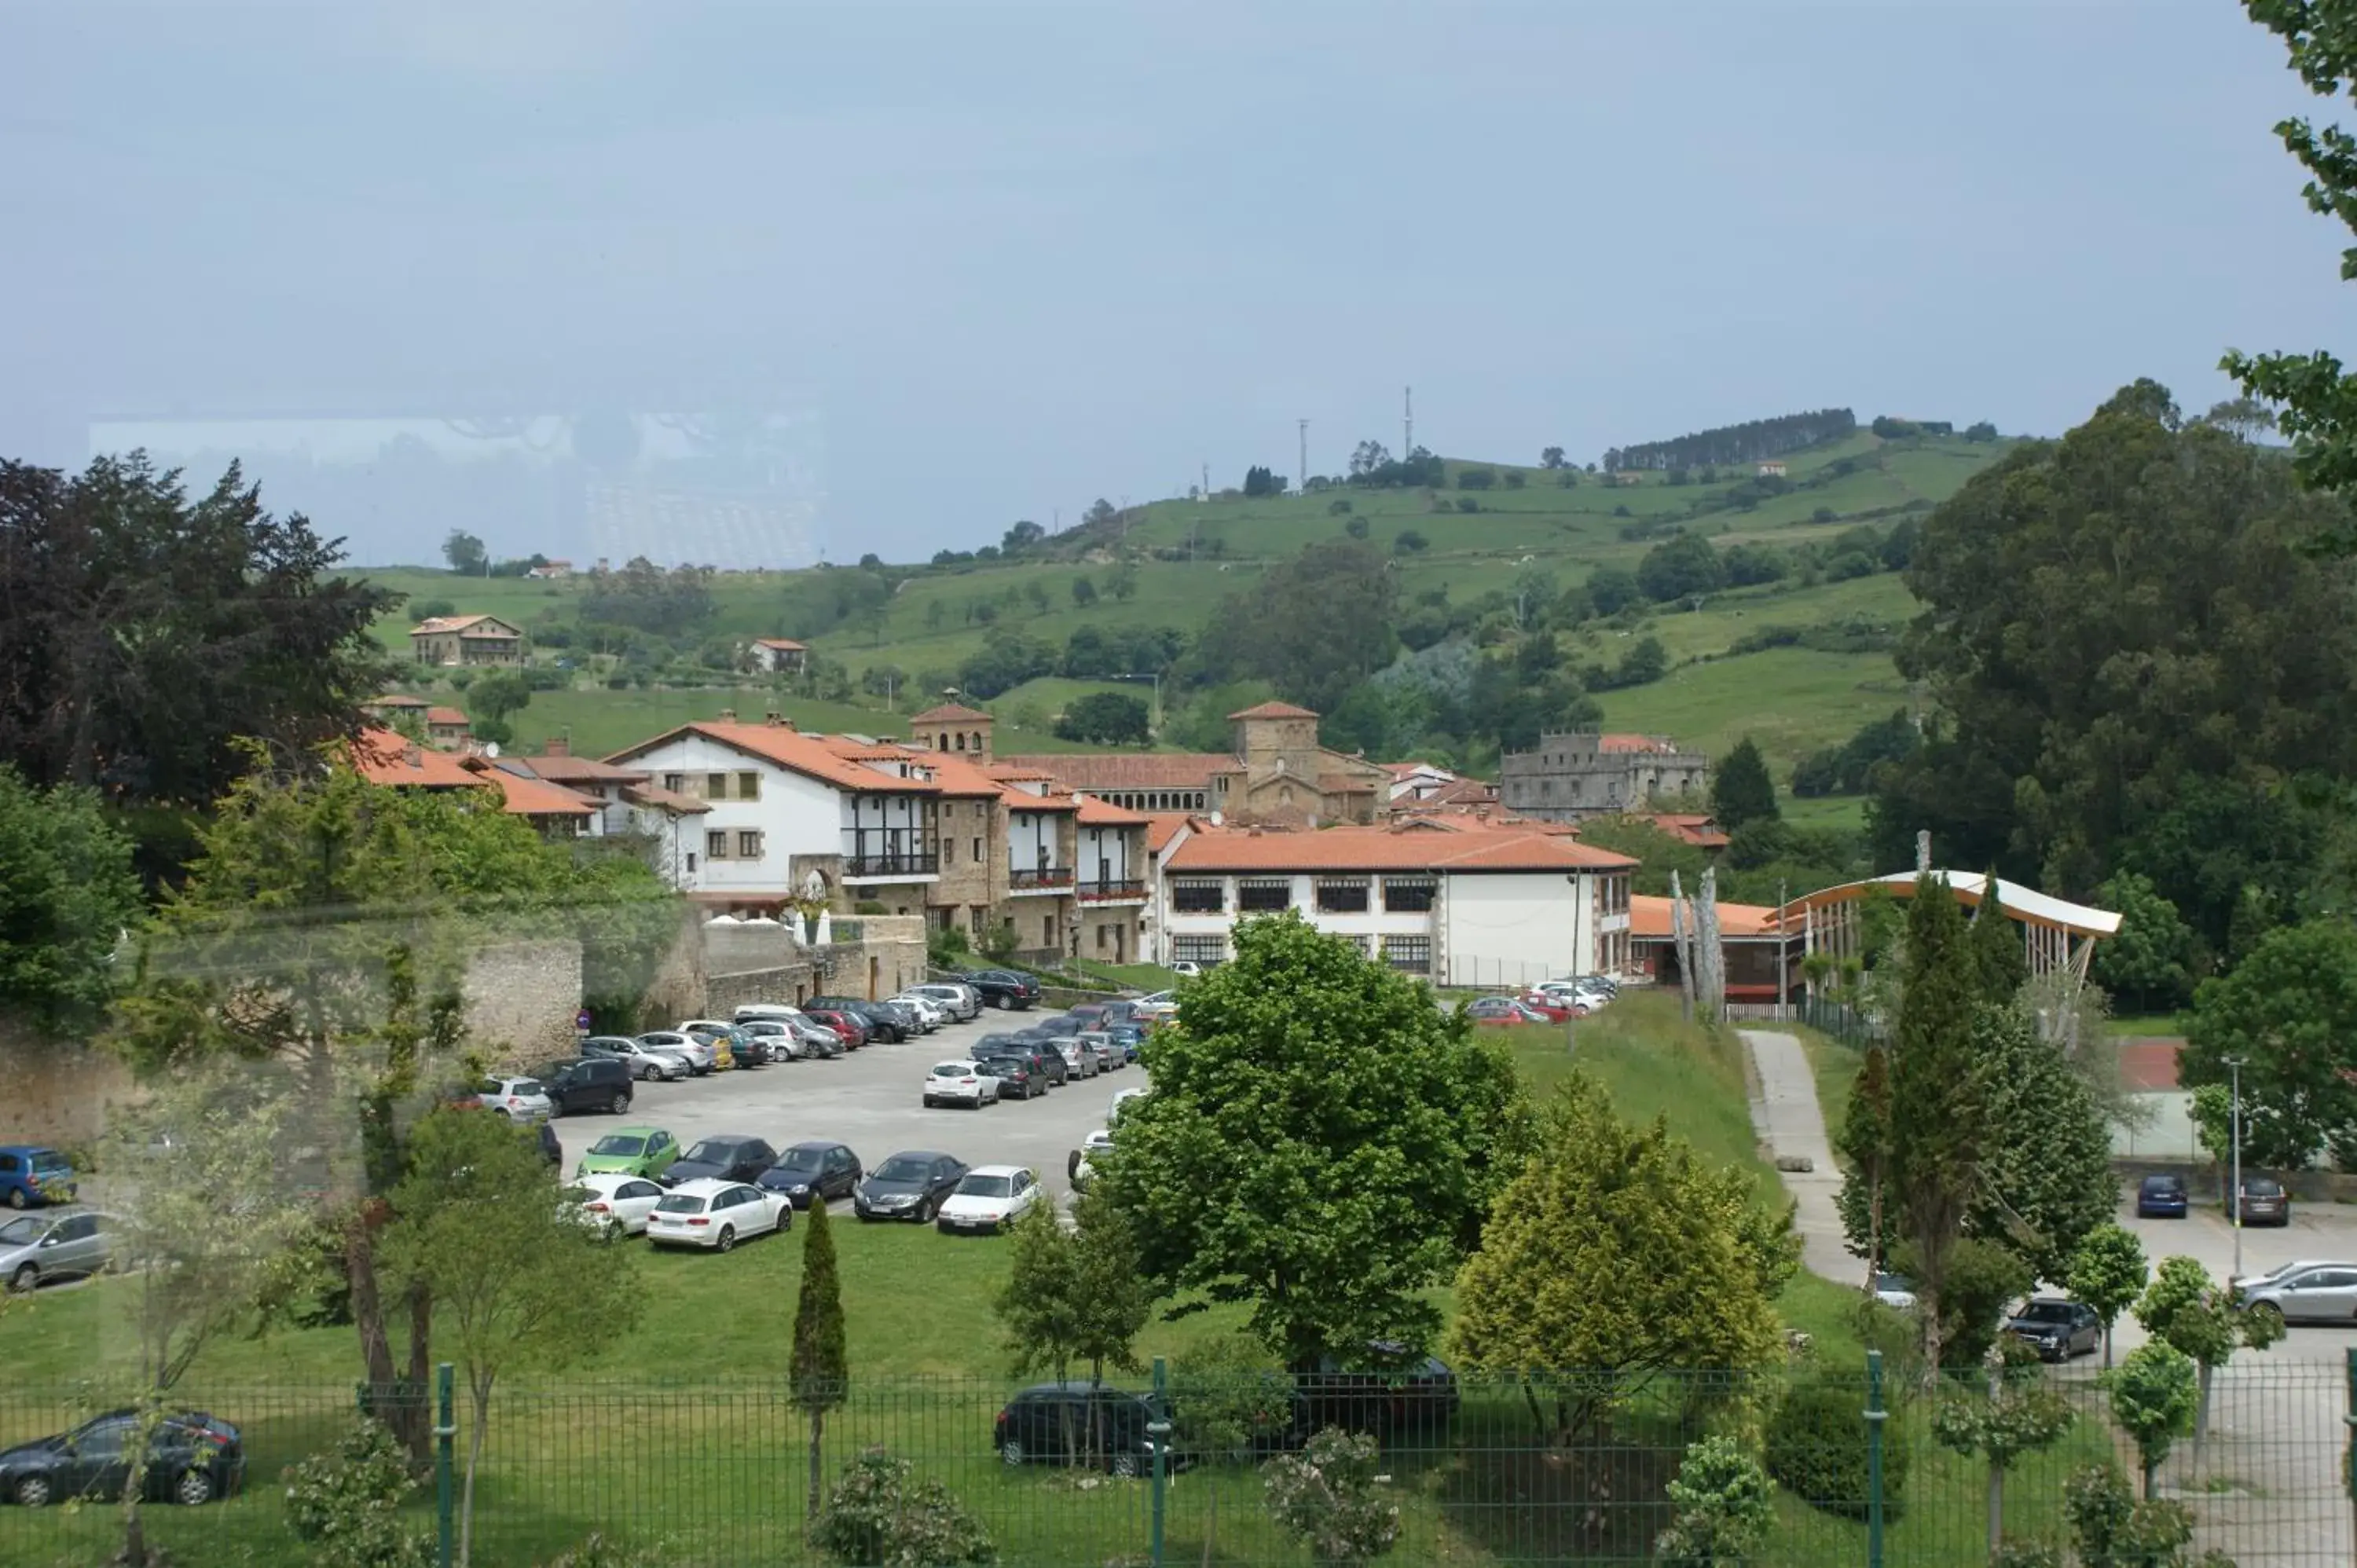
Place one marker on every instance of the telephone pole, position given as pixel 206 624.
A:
pixel 1301 476
pixel 1407 421
pixel 1206 491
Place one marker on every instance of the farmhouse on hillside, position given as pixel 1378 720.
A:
pixel 466 639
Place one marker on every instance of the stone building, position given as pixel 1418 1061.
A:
pixel 1588 775
pixel 1276 774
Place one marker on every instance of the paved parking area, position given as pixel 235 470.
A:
pixel 869 1099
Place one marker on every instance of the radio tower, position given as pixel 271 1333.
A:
pixel 1407 432
pixel 1301 479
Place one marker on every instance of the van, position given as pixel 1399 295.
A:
pixel 776 1012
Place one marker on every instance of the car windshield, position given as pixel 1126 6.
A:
pixel 23 1232
pixel 951 1069
pixel 50 1160
pixel 985 1187
pixel 800 1160
pixel 682 1203
pixel 1893 1282
pixel 619 1144
pixel 2263 1186
pixel 2162 1184
pixel 2047 1312
pixel 899 1168
pixel 527 1086
pixel 713 1151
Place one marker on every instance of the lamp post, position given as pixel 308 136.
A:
pixel 1156 722
pixel 2234 1177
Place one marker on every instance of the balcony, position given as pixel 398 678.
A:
pixel 1111 892
pixel 902 867
pixel 1045 879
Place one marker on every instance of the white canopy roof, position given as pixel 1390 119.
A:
pixel 2021 903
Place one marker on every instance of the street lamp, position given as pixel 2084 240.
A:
pixel 1156 678
pixel 2234 1178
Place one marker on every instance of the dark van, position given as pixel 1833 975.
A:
pixel 590 1083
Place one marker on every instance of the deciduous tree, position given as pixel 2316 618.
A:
pixel 1681 568
pixel 2151 962
pixel 2014 1414
pixel 2108 1272
pixel 67 895
pixel 465 552
pixel 2185 1308
pixel 1109 718
pixel 2154 1394
pixel 2288 1013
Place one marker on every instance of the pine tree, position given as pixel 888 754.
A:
pixel 1741 791
pixel 1865 1146
pixel 1997 948
pixel 820 1368
pixel 1935 1096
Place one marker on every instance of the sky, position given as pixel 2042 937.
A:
pixel 993 261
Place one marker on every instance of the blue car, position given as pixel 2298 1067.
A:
pixel 2161 1197
pixel 31 1176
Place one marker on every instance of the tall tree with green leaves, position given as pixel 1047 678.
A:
pixel 2184 1307
pixel 2150 963
pixel 2046 1178
pixel 67 895
pixel 2108 1272
pixel 1997 948
pixel 1937 1095
pixel 819 1369
pixel 2153 1397
pixel 2014 1414
pixel 2288 1014
pixel 1740 789
pixel 1322 1144
pixel 1864 1145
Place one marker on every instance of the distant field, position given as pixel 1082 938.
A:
pixel 1789 701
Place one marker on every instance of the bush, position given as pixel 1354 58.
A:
pixel 1476 478
pixel 878 1515
pixel 1467 504
pixel 1356 528
pixel 1816 1448
pixel 1325 1496
pixel 869 907
pixel 345 1504
pixel 1410 543
pixel 1723 1508
pixel 1340 508
pixel 1229 1399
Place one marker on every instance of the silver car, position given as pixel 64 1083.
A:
pixel 2304 1293
pixel 1080 1060
pixel 963 1002
pixel 1109 1055
pixel 53 1246
pixel 699 1054
pixel 523 1100
pixel 645 1063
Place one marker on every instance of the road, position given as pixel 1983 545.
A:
pixel 2269 1490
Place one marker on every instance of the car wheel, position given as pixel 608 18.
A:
pixel 1011 1451
pixel 924 1210
pixel 24 1279
pixel 1125 1465
pixel 727 1238
pixel 2274 1313
pixel 33 1491
pixel 611 1232
pixel 618 1106
pixel 928 1102
pixel 505 1114
pixel 17 1199
pixel 192 1489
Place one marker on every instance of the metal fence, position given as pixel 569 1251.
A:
pixel 1482 1472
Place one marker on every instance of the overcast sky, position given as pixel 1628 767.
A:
pixel 1010 259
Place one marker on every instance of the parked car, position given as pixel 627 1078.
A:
pixel 646 1065
pixel 811 1173
pixel 2161 1197
pixel 1553 1007
pixel 813 1039
pixel 1080 1060
pixel 1896 1292
pixel 988 1199
pixel 1156 1007
pixel 911 1184
pixel 1183 966
pixel 1110 1056
pixel 716 1215
pixel 1122 1010
pixel 1081 1171
pixel 726 1156
pixel 699 1054
pixel 1064 1422
pixel 630 1150
pixel 37 1248
pixel 961 1082
pixel 849 1027
pixel 192 1458
pixel 1122 1097
pixel 2058 1329
pixel 518 1099
pixel 589 1083
pixel 1003 987
pixel 467 1096
pixel 31 1176
pixel 1016 1078
pixel 930 1011
pixel 964 1001
pixel 1086 1016
pixel 884 1022
pixel 2264 1202
pixel 614 1205
pixel 1130 1037
pixel 1388 1389
pixel 2307 1292
pixel 1501 1010
pixel 721 1038
pixel 1046 1064
pixel 764 1041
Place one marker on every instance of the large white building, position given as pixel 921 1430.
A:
pixel 1466 904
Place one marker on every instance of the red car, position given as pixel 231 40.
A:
pixel 853 1031
pixel 1553 1009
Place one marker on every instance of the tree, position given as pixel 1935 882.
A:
pixel 2108 1274
pixel 1681 568
pixel 465 552
pixel 1110 718
pixel 2154 1395
pixel 2017 1415
pixel 147 639
pixel 1997 948
pixel 516 1280
pixel 496 693
pixel 1074 1296
pixel 1021 537
pixel 67 895
pixel 2112 1529
pixel 1037 591
pixel 935 614
pixel 1325 1497
pixel 1310 659
pixel 1864 1148
pixel 2289 1012
pixel 1322 1143
pixel 2149 963
pixel 2047 1182
pixel 1725 1508
pixel 1551 458
pixel 344 1505
pixel 1740 789
pixel 1408 542
pixel 2184 1307
pixel 645 597
pixel 1101 512
pixel 1121 581
pixel 1620 1252
pixel 819 1370
pixel 1612 589
pixel 1084 592
pixel 1936 1110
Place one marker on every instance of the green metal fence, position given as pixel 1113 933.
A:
pixel 714 1474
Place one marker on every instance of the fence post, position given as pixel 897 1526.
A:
pixel 2349 1420
pixel 1875 1416
pixel 1159 1429
pixel 445 1429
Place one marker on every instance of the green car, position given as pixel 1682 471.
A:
pixel 630 1150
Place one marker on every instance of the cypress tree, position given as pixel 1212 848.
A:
pixel 1936 1110
pixel 1998 950
pixel 1741 791
pixel 821 1370
pixel 1865 1143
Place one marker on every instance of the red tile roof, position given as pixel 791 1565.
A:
pixel 528 797
pixel 1649 916
pixel 810 756
pixel 1380 849
pixel 948 713
pixel 1130 769
pixel 466 625
pixel 384 756
pixel 782 644
pixel 1096 813
pixel 1273 711
pixel 1161 827
pixel 1688 827
pixel 563 768
pixel 445 716
pixel 662 800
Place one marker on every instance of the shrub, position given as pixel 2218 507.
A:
pixel 1723 1509
pixel 1325 1494
pixel 1816 1448
pixel 1467 504
pixel 345 1504
pixel 869 907
pixel 1410 543
pixel 1228 1398
pixel 879 1514
pixel 1338 508
pixel 2025 1555
pixel 1356 528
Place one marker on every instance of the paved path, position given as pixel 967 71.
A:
pixel 1785 1117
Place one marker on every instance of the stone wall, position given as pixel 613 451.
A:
pixel 521 998
pixel 57 1094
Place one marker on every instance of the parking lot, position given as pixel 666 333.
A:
pixel 870 1099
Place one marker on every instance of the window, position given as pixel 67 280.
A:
pixel 977 851
pixel 1366 945
pixel 716 787
pixel 691 860
pixel 948 851
pixel 1047 930
pixel 1200 950
pixel 1408 894
pixel 748 786
pixel 675 782
pixel 716 844
pixel 1204 895
pixel 748 845
pixel 1410 955
pixel 1342 894
pixel 1261 894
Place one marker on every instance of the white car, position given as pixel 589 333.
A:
pixel 1120 1096
pixel 1571 994
pixel 1187 967
pixel 700 1056
pixel 716 1214
pixel 990 1198
pixel 961 1083
pixel 613 1203
pixel 1095 1144
pixel 964 1001
pixel 1896 1292
pixel 776 1037
pixel 523 1100
pixel 932 1010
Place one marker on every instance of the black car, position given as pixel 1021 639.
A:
pixel 1077 1422
pixel 813 1173
pixel 552 1152
pixel 729 1156
pixel 2058 1329
pixel 192 1458
pixel 1017 1080
pixel 1389 1390
pixel 1003 987
pixel 1046 1064
pixel 884 1021
pixel 2161 1197
pixel 909 1185
pixel 590 1083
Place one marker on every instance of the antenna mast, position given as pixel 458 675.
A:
pixel 1301 479
pixel 1407 432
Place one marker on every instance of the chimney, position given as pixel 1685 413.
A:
pixel 558 746
pixel 1481 813
pixel 414 756
pixel 727 716
pixel 773 718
